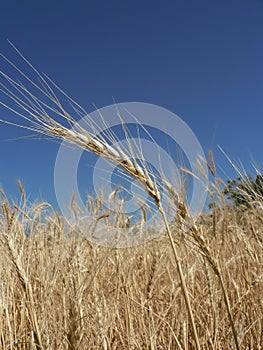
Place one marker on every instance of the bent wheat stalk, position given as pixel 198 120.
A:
pixel 38 112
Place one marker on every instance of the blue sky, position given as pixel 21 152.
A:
pixel 200 59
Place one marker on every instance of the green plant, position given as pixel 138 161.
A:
pixel 245 190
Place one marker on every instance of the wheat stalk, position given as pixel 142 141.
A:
pixel 38 113
pixel 6 243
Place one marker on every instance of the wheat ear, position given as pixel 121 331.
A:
pixel 38 113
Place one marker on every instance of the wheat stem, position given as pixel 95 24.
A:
pixel 182 278
pixel 37 112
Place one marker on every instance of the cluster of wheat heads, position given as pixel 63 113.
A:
pixel 40 111
pixel 61 291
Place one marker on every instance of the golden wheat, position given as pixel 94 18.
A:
pixel 162 295
pixel 62 291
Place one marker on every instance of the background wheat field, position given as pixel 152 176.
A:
pixel 61 291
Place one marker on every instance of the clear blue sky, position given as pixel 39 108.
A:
pixel 203 60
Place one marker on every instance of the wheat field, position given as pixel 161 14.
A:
pixel 195 286
pixel 61 291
